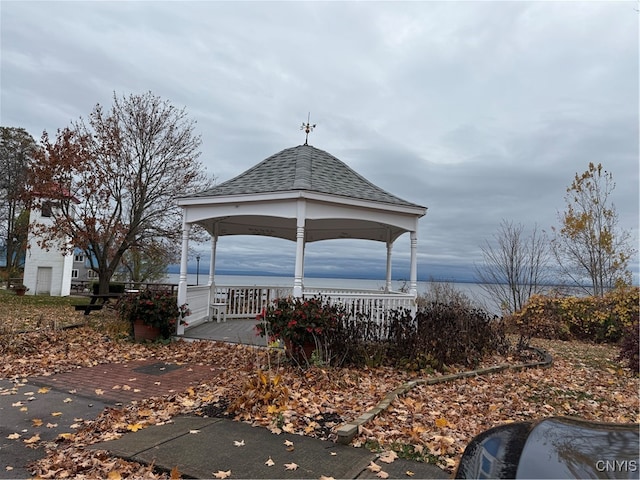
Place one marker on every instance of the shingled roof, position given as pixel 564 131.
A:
pixel 304 168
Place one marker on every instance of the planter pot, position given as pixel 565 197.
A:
pixel 300 353
pixel 20 292
pixel 142 331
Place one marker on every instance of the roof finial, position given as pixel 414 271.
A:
pixel 308 128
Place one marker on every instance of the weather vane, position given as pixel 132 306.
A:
pixel 308 128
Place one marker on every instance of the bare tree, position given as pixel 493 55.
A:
pixel 447 294
pixel 148 263
pixel 17 148
pixel 115 178
pixel 515 266
pixel 590 248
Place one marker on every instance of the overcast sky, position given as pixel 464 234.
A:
pixel 480 111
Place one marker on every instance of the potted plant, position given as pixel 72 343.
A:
pixel 20 289
pixel 300 324
pixel 152 314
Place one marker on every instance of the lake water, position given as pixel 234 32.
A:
pixel 473 290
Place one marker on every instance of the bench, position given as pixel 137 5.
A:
pixel 218 308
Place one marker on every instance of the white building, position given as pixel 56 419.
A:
pixel 47 272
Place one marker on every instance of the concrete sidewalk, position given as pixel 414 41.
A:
pixel 200 447
pixel 29 411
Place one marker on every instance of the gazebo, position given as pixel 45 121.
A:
pixel 302 194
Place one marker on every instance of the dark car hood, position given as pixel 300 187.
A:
pixel 558 447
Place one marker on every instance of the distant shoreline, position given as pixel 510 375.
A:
pixel 175 270
pixel 228 273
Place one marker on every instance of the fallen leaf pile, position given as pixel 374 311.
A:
pixel 19 314
pixel 435 422
pixel 439 420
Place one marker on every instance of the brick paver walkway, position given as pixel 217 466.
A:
pixel 123 383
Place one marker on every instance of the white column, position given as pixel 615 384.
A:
pixel 387 287
pixel 212 273
pixel 413 274
pixel 212 262
pixel 182 283
pixel 298 286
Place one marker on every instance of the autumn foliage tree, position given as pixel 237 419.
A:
pixel 17 147
pixel 114 178
pixel 590 248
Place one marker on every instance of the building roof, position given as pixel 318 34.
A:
pixel 304 168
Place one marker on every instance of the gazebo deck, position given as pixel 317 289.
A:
pixel 234 331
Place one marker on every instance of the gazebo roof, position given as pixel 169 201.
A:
pixel 338 202
pixel 302 194
pixel 304 168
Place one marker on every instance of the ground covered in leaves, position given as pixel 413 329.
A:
pixel 35 312
pixel 430 423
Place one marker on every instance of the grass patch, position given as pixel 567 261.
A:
pixel 36 312
pixel 404 451
pixel 8 297
pixel 557 396
pixel 580 355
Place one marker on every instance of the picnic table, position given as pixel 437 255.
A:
pixel 93 304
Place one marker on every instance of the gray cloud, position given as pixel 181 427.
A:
pixel 478 110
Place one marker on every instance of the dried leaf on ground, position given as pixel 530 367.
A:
pixel 388 457
pixel 584 381
pixel 134 427
pixel 33 439
pixel 114 475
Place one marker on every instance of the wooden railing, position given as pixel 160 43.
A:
pixel 247 302
pixel 84 286
pixel 198 301
pixel 372 304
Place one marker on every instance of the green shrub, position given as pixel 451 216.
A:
pixel 598 319
pixel 630 346
pixel 155 308
pixel 437 336
pixel 300 323
pixel 452 334
pixel 358 340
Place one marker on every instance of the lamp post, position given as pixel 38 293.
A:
pixel 197 269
